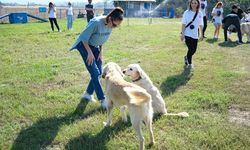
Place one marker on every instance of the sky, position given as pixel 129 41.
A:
pixel 46 1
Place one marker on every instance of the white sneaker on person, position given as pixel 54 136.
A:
pixel 88 97
pixel 104 104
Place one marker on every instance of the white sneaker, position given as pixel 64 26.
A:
pixel 88 97
pixel 104 104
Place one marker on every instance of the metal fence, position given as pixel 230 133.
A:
pixel 61 12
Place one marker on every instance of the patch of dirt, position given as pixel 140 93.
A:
pixel 239 116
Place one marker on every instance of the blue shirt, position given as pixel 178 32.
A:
pixel 96 33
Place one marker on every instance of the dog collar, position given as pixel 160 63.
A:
pixel 137 79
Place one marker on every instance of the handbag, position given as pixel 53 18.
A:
pixel 196 13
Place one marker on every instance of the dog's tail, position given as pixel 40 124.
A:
pixel 137 96
pixel 180 114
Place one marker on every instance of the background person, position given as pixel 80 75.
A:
pixel 52 16
pixel 217 14
pixel 69 14
pixel 232 19
pixel 247 16
pixel 89 44
pixel 238 11
pixel 189 30
pixel 89 10
pixel 203 9
pixel 232 27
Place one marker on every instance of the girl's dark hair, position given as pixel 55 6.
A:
pixel 234 6
pixel 115 15
pixel 198 6
pixel 50 3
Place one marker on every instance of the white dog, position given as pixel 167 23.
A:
pixel 245 29
pixel 122 93
pixel 140 78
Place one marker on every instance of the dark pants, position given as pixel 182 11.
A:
pixel 95 71
pixel 205 25
pixel 51 20
pixel 232 20
pixel 89 17
pixel 192 46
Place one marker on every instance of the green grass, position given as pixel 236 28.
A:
pixel 41 82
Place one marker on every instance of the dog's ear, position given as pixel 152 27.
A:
pixel 140 71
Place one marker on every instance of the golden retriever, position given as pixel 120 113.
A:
pixel 139 77
pixel 122 93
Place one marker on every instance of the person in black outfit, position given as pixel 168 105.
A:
pixel 232 19
pixel 90 11
pixel 238 11
pixel 203 8
pixel 52 17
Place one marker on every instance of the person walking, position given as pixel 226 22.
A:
pixel 203 8
pixel 69 14
pixel 89 10
pixel 52 17
pixel 217 14
pixel 192 23
pixel 90 45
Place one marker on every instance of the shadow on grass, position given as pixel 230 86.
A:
pixel 88 141
pixel 211 40
pixel 43 132
pixel 228 44
pixel 171 84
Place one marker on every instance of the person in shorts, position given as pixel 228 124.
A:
pixel 217 14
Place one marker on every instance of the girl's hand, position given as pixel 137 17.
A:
pixel 182 37
pixel 201 37
pixel 90 58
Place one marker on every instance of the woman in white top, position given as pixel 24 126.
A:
pixel 217 14
pixel 192 23
pixel 69 14
pixel 52 16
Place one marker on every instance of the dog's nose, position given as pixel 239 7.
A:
pixel 103 76
pixel 123 71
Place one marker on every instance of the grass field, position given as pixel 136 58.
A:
pixel 41 83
